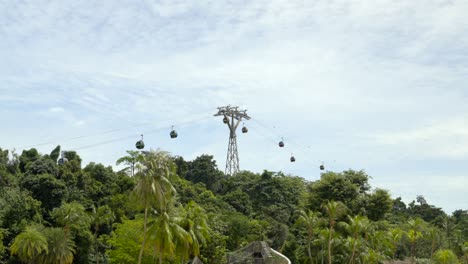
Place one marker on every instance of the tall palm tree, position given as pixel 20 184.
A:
pixel 433 234
pixel 195 222
pixel 153 188
pixel 357 225
pixel 395 235
pixel 133 158
pixel 71 216
pixel 310 220
pixel 29 244
pixel 60 247
pixel 165 233
pixel 414 233
pixel 101 216
pixel 334 210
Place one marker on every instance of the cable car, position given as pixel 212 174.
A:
pixel 281 143
pixel 244 129
pixel 322 167
pixel 293 159
pixel 225 120
pixel 140 144
pixel 173 133
pixel 62 160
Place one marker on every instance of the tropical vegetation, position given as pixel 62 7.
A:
pixel 163 209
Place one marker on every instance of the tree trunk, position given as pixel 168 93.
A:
pixel 309 252
pixel 329 247
pixel 351 261
pixel 140 256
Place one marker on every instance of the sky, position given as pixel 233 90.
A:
pixel 377 85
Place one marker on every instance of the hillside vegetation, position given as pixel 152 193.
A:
pixel 164 209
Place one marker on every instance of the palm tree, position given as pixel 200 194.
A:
pixel 29 245
pixel 195 222
pixel 465 251
pixel 414 233
pixel 433 234
pixel 60 247
pixel 310 220
pixel 445 256
pixel 334 210
pixel 357 225
pixel 103 215
pixel 395 235
pixel 71 215
pixel 165 233
pixel 153 188
pixel 133 158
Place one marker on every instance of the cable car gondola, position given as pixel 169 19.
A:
pixel 281 143
pixel 293 159
pixel 322 167
pixel 62 160
pixel 140 144
pixel 173 133
pixel 244 129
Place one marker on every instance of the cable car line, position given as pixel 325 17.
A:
pixel 58 141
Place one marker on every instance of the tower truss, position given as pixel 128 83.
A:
pixel 232 117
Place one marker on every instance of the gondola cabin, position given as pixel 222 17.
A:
pixel 62 161
pixel 140 144
pixel 173 134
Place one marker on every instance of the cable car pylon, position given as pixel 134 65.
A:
pixel 232 117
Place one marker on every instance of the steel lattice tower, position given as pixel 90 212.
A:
pixel 232 116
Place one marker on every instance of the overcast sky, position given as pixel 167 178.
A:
pixel 373 85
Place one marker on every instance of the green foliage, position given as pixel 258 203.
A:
pixel 47 189
pixel 17 210
pixel 203 169
pixel 27 156
pixel 445 256
pixel 126 243
pixel 96 215
pixel 30 244
pixel 380 203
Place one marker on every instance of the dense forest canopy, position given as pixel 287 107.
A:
pixel 164 209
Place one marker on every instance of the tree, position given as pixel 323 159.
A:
pixel 414 233
pixel 357 225
pixel 26 157
pixel 101 216
pixel 395 236
pixel 379 204
pixel 29 245
pixel 334 210
pixel 310 220
pixel 445 256
pixel 195 222
pixel 55 153
pixel 204 169
pixel 71 216
pixel 47 189
pixel 153 188
pixel 60 247
pixel 166 233
pixel 130 161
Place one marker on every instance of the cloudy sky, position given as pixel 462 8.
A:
pixel 373 85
